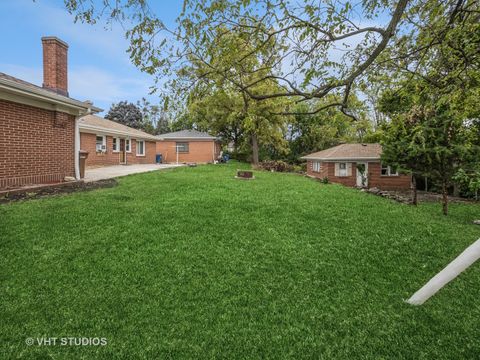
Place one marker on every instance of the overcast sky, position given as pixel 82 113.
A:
pixel 99 67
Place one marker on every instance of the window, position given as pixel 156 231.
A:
pixel 389 171
pixel 101 143
pixel 140 148
pixel 127 145
pixel 116 144
pixel 342 169
pixel 317 166
pixel 182 147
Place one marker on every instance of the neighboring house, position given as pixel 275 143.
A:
pixel 111 143
pixel 356 165
pixel 38 125
pixel 188 146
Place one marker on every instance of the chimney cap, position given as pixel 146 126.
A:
pixel 54 38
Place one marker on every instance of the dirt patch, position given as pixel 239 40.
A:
pixel 53 190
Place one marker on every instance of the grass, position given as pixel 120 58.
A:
pixel 191 263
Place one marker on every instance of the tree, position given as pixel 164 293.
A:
pixel 324 47
pixel 469 180
pixel 163 125
pixel 127 114
pixel 155 119
pixel 310 133
pixel 429 133
pixel 215 104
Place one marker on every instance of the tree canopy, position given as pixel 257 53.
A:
pixel 322 47
pixel 127 114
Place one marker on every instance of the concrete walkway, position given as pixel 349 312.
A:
pixel 108 172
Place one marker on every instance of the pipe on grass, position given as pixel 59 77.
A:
pixel 450 272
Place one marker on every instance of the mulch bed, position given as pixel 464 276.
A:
pixel 53 190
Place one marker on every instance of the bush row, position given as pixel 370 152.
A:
pixel 280 166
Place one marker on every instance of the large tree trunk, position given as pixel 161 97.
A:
pixel 444 198
pixel 254 149
pixel 414 191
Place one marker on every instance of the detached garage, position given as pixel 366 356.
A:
pixel 188 146
pixel 356 165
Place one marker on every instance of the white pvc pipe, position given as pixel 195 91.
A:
pixel 77 149
pixel 450 272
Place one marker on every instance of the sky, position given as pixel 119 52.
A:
pixel 99 68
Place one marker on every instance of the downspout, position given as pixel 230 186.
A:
pixel 77 148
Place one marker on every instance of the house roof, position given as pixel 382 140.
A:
pixel 348 152
pixel 12 88
pixel 186 135
pixel 97 124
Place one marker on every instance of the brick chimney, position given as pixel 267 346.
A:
pixel 55 65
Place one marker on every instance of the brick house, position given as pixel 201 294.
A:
pixel 188 146
pixel 39 125
pixel 356 165
pixel 111 143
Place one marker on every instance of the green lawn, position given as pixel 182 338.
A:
pixel 191 263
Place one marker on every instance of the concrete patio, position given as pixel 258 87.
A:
pixel 108 172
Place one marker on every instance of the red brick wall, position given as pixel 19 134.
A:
pixel 375 179
pixel 88 141
pixel 328 170
pixel 199 151
pixel 150 152
pixel 36 146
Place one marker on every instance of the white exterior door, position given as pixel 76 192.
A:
pixel 362 171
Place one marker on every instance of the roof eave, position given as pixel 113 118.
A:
pixel 42 95
pixel 187 138
pixel 98 129
pixel 339 159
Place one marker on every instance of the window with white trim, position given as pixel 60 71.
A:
pixel 116 144
pixel 316 166
pixel 127 145
pixel 101 143
pixel 389 171
pixel 140 148
pixel 342 169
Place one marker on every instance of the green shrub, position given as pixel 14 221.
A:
pixel 276 165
